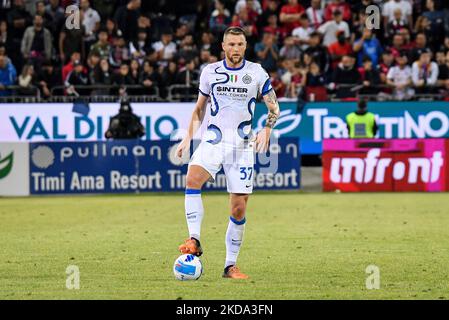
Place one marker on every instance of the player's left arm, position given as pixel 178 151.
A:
pixel 263 137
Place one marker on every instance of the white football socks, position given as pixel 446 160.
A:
pixel 194 212
pixel 234 238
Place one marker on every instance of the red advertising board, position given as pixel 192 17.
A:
pixel 352 165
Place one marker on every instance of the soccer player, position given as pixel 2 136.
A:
pixel 232 85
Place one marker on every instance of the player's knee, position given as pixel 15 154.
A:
pixel 238 210
pixel 193 182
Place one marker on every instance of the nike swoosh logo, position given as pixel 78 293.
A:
pixel 248 186
pixel 219 79
pixel 236 240
pixel 190 213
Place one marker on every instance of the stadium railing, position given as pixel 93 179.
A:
pixel 186 92
pixel 14 95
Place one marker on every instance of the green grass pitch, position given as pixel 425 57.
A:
pixel 296 246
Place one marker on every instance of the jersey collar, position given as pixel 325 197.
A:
pixel 233 69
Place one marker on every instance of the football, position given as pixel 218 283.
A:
pixel 187 267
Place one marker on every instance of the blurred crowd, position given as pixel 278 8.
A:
pixel 309 47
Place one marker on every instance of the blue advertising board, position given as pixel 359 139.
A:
pixel 143 166
pixel 324 120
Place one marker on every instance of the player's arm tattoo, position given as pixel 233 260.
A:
pixel 273 108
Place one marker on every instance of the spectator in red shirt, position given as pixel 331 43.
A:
pixel 290 15
pixel 386 62
pixel 76 56
pixel 273 27
pixel 242 20
pixel 340 5
pixel 397 45
pixel 339 49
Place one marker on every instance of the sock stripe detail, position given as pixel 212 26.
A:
pixel 238 222
pixel 193 191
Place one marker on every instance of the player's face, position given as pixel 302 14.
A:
pixel 234 47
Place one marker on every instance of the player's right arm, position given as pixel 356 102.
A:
pixel 194 125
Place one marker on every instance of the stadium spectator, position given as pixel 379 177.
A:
pixel 392 5
pixel 150 77
pixel 37 42
pixel 56 12
pixel 397 46
pixel 5 37
pixel 48 78
pixel 119 53
pixel 127 17
pixel 8 75
pixel 112 30
pixel 252 5
pixel 346 78
pixel 102 46
pixel 243 20
pixel 339 49
pixel 187 50
pixel 267 52
pixel 396 24
pixel 76 56
pixel 144 23
pixel 386 62
pixel 103 76
pixel 318 52
pixel 92 64
pixel 70 41
pixel 220 18
pixel 91 22
pixel 165 48
pixel 290 14
pixel 48 21
pixel 204 59
pixel 77 77
pixel 424 73
pixel 134 71
pixel 400 78
pixel 277 84
pixel 302 33
pixel 274 28
pixel 436 18
pixel 330 28
pixel 292 79
pixel 169 75
pixel 5 7
pixel 123 77
pixel 289 50
pixel 27 81
pixel 315 13
pixel 419 47
pixel 406 35
pixel 369 46
pixel 181 31
pixel 139 47
pixel 272 9
pixel 187 74
pixel 315 84
pixel 338 5
pixel 370 77
pixel 18 20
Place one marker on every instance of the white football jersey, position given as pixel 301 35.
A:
pixel 233 93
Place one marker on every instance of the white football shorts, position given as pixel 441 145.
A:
pixel 237 164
